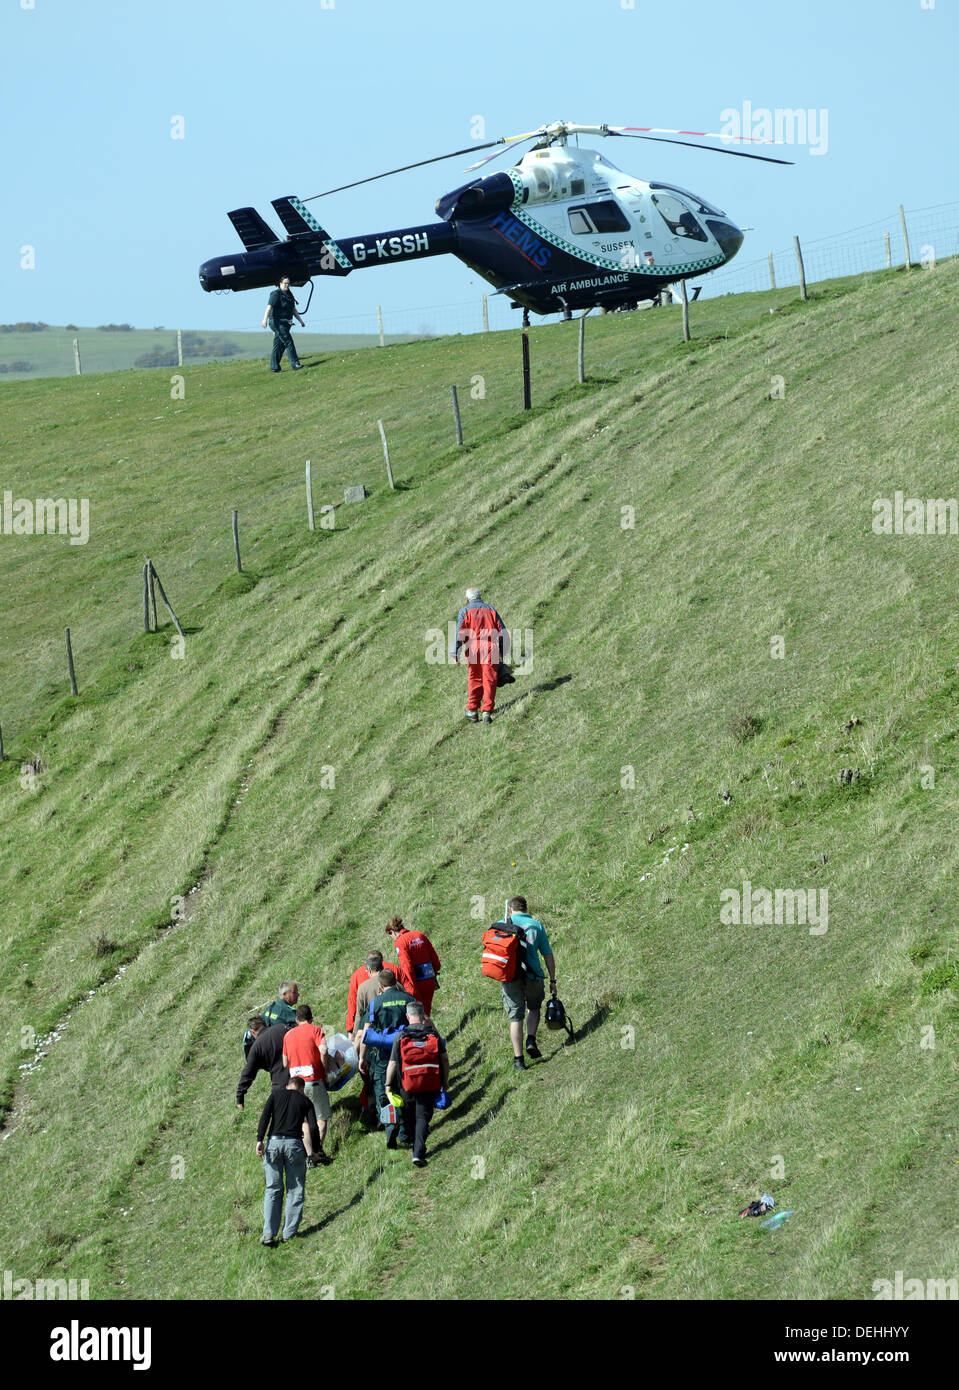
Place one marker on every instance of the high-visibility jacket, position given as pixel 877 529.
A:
pixel 356 979
pixel 418 960
pixel 481 634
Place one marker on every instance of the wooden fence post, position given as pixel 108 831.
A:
pixel 76 355
pixel 527 395
pixel 456 417
pixel 485 315
pixel 159 583
pixel 386 454
pixel 885 237
pixel 802 269
pixel 772 272
pixel 379 320
pixel 73 674
pixel 682 286
pixel 146 597
pixel 1 743
pixel 309 495
pixel 236 539
pixel 153 596
pixel 179 348
pixel 905 236
pixel 581 354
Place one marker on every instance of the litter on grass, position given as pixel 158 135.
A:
pixel 774 1222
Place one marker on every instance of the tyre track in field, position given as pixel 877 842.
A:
pixel 519 497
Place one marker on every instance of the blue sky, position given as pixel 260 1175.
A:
pixel 301 95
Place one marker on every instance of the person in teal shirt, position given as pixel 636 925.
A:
pixel 523 997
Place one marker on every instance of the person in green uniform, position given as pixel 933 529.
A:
pixel 388 1012
pixel 280 313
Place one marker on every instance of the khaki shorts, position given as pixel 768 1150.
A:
pixel 520 995
pixel 316 1092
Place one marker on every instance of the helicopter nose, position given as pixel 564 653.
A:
pixel 728 235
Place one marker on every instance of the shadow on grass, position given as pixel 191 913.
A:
pixel 535 689
pixel 596 1020
pixel 354 1201
pixel 479 1123
pixel 470 1014
pixel 465 1058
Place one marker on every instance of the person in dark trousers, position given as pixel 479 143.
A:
pixel 280 313
pixel 419 1065
pixel 387 1013
pixel 483 641
pixel 266 1054
pixel 293 1141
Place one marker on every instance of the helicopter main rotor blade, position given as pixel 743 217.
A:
pixel 453 154
pixel 507 140
pixel 633 134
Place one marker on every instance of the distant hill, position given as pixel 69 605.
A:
pixel 43 350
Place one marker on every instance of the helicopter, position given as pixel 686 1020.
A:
pixel 564 229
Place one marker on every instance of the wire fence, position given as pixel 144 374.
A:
pixel 933 235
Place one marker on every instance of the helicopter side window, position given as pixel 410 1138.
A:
pixel 678 218
pixel 579 221
pixel 607 216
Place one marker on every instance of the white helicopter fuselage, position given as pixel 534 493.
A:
pixel 586 207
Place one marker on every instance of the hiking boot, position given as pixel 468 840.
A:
pixel 268 1241
pixel 419 1162
pixel 296 366
pixel 472 716
pixel 519 1064
pixel 531 1049
pixel 487 718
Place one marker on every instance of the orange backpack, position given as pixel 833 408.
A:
pixel 504 952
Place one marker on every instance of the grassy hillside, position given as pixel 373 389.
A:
pixel 49 351
pixel 175 852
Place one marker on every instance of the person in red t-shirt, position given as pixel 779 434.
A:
pixel 305 1054
pixel 419 963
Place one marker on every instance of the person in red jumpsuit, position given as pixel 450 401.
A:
pixel 419 963
pixel 483 642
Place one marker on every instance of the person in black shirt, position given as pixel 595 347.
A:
pixel 293 1139
pixel 280 313
pixel 266 1054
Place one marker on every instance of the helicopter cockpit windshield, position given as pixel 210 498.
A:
pixel 677 217
pixel 698 203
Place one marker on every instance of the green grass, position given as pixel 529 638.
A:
pixel 710 1057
